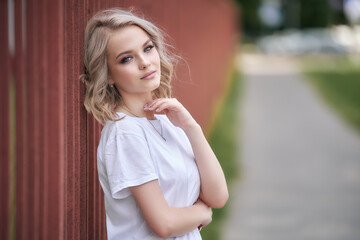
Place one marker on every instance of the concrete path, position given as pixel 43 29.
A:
pixel 300 163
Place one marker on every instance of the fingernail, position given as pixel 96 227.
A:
pixel 157 110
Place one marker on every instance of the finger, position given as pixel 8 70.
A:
pixel 170 105
pixel 161 106
pixel 158 104
pixel 150 105
pixel 164 112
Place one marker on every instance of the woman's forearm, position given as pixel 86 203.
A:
pixel 184 220
pixel 166 221
pixel 214 190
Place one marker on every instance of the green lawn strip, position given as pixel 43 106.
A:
pixel 338 82
pixel 223 140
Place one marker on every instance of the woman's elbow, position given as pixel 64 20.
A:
pixel 218 201
pixel 162 229
pixel 162 232
pixel 221 202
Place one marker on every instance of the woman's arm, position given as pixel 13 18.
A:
pixel 166 221
pixel 214 190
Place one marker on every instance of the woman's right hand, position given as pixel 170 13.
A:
pixel 207 212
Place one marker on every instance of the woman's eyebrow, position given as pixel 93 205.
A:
pixel 126 52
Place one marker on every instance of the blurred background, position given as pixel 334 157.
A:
pixel 275 85
pixel 299 117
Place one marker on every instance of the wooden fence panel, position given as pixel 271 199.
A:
pixel 54 190
pixel 5 145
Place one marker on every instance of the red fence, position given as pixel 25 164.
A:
pixel 49 183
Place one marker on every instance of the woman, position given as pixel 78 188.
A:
pixel 159 175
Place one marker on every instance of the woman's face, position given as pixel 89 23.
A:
pixel 133 62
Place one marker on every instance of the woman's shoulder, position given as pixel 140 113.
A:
pixel 125 126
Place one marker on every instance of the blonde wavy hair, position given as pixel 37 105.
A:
pixel 101 99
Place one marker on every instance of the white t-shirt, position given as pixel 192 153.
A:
pixel 130 153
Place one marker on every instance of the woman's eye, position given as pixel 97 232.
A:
pixel 148 48
pixel 125 59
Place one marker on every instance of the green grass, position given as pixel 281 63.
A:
pixel 337 80
pixel 223 140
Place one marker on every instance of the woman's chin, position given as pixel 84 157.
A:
pixel 156 84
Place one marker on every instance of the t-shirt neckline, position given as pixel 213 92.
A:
pixel 141 118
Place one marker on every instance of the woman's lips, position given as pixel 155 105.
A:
pixel 149 75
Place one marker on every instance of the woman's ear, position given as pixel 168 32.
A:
pixel 110 80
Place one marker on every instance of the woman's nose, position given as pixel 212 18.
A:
pixel 144 63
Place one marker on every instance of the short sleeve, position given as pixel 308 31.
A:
pixel 128 163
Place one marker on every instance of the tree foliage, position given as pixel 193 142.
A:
pixel 296 14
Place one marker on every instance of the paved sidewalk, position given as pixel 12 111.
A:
pixel 300 163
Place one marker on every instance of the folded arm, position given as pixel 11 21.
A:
pixel 166 221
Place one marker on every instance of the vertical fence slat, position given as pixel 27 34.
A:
pixel 36 121
pixel 55 124
pixel 42 47
pixel 70 175
pixel 38 124
pixel 21 134
pixel 76 83
pixel 83 128
pixel 92 182
pixel 40 30
pixel 31 190
pixel 4 123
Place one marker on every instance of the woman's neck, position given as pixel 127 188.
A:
pixel 135 107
